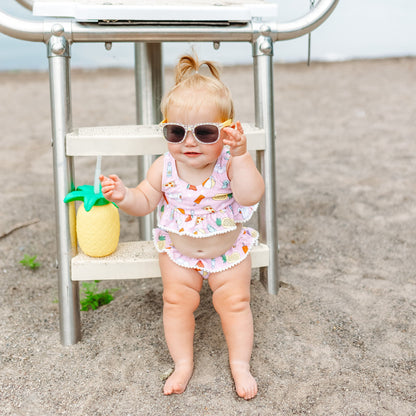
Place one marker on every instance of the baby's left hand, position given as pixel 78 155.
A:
pixel 236 139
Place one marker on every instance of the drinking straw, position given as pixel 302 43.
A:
pixel 97 175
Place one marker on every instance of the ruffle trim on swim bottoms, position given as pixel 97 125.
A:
pixel 247 238
pixel 175 220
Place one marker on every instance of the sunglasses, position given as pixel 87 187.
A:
pixel 206 133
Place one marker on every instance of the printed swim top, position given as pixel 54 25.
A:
pixel 203 210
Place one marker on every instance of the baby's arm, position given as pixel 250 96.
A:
pixel 137 201
pixel 247 183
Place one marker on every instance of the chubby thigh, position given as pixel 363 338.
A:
pixel 207 247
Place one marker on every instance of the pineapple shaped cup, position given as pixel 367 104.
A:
pixel 98 221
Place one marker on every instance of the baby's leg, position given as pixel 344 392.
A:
pixel 181 289
pixel 231 299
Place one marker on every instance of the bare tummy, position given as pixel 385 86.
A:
pixel 207 247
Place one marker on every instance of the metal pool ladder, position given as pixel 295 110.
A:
pixel 148 24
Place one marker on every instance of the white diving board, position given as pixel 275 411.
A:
pixel 241 11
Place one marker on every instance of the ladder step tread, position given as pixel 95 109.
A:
pixel 132 140
pixel 136 260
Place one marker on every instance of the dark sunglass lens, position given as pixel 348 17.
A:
pixel 207 133
pixel 173 133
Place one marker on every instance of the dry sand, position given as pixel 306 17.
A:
pixel 340 337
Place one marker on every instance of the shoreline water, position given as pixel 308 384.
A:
pixel 223 66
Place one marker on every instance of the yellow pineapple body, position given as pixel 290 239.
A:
pixel 98 230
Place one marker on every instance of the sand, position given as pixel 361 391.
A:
pixel 338 339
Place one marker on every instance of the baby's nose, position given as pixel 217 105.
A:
pixel 189 138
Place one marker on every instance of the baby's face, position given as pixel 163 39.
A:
pixel 190 151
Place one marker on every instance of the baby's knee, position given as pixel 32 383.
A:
pixel 185 298
pixel 233 303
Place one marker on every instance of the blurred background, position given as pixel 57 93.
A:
pixel 358 29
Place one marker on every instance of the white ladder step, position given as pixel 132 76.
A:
pixel 133 140
pixel 136 260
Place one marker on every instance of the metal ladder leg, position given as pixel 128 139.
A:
pixel 60 96
pixel 264 107
pixel 149 86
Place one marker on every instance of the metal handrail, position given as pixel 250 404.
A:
pixel 41 31
pixel 307 23
pixel 23 29
pixel 26 3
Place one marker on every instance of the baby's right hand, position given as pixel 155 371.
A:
pixel 113 188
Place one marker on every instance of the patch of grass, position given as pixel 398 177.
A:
pixel 94 299
pixel 30 262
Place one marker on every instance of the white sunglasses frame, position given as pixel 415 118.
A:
pixel 191 128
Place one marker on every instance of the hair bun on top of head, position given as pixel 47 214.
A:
pixel 189 65
pixel 188 77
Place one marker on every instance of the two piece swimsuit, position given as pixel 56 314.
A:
pixel 202 211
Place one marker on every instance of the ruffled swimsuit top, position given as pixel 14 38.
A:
pixel 200 210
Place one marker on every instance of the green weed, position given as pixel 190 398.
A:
pixel 93 299
pixel 30 262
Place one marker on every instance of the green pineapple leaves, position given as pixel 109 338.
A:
pixel 86 194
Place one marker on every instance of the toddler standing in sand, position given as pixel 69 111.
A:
pixel 204 188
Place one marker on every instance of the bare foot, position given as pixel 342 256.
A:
pixel 245 384
pixel 177 382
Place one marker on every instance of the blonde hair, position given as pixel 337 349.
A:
pixel 193 89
